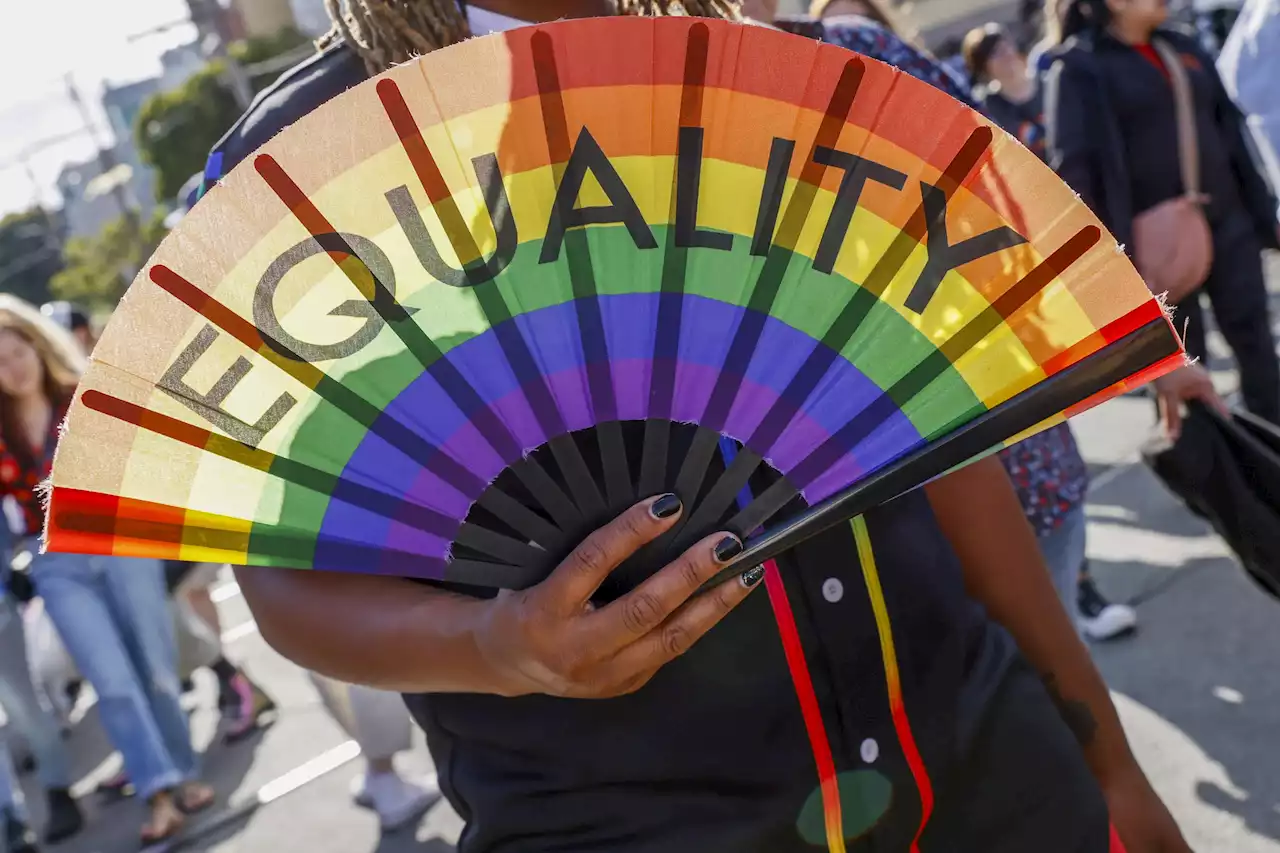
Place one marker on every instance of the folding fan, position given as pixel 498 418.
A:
pixel 457 317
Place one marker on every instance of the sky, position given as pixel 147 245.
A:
pixel 43 41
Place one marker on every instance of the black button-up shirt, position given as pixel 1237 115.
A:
pixel 847 701
pixel 874 674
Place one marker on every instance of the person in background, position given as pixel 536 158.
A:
pixel 951 54
pixel 379 722
pixel 1250 69
pixel 16 835
pixel 1047 469
pixel 1113 138
pixel 242 702
pixel 822 9
pixel 1040 56
pixel 26 716
pixel 1003 86
pixel 1213 21
pixel 872 31
pixel 72 318
pixel 550 719
pixel 110 612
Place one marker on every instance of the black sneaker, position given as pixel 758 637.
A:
pixel 18 837
pixel 1100 619
pixel 65 819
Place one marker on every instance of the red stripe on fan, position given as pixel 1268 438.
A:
pixel 411 140
pixel 1110 333
pixel 232 323
pixel 305 211
pixel 428 171
pixel 180 431
pixel 292 195
pixel 1131 322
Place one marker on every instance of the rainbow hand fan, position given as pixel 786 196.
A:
pixel 454 319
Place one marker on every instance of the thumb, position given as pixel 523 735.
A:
pixel 1214 399
pixel 1171 414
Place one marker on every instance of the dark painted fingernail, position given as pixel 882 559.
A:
pixel 665 506
pixel 751 577
pixel 728 548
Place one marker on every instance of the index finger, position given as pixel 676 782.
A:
pixel 580 574
pixel 640 611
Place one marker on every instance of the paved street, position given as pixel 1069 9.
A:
pixel 1198 688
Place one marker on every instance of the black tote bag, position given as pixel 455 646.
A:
pixel 1227 470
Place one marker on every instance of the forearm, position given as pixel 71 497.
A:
pixel 981 516
pixel 382 632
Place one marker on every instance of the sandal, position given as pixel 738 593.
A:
pixel 118 787
pixel 244 704
pixel 166 822
pixel 194 797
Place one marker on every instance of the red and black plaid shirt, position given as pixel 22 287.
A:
pixel 21 474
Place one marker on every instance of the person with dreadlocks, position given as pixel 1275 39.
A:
pixel 655 720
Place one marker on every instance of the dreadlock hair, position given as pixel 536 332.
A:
pixel 727 9
pixel 388 32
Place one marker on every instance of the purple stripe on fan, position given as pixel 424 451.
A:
pixel 555 347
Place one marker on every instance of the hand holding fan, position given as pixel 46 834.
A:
pixel 454 319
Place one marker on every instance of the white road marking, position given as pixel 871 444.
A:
pixel 224 593
pixel 239 632
pixel 1113 473
pixel 323 763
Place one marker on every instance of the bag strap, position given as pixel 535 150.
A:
pixel 1185 110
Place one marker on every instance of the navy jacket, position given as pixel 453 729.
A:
pixel 1112 135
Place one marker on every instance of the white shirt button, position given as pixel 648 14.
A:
pixel 870 750
pixel 832 590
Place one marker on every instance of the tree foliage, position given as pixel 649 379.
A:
pixel 262 48
pixel 30 254
pixel 99 269
pixel 175 130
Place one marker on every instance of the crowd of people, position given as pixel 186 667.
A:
pixel 576 725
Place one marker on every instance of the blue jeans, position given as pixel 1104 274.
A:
pixel 1064 552
pixel 26 715
pixel 11 800
pixel 114 618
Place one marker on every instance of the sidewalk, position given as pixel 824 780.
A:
pixel 1198 687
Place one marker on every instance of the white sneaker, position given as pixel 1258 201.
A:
pixel 1101 619
pixel 397 801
